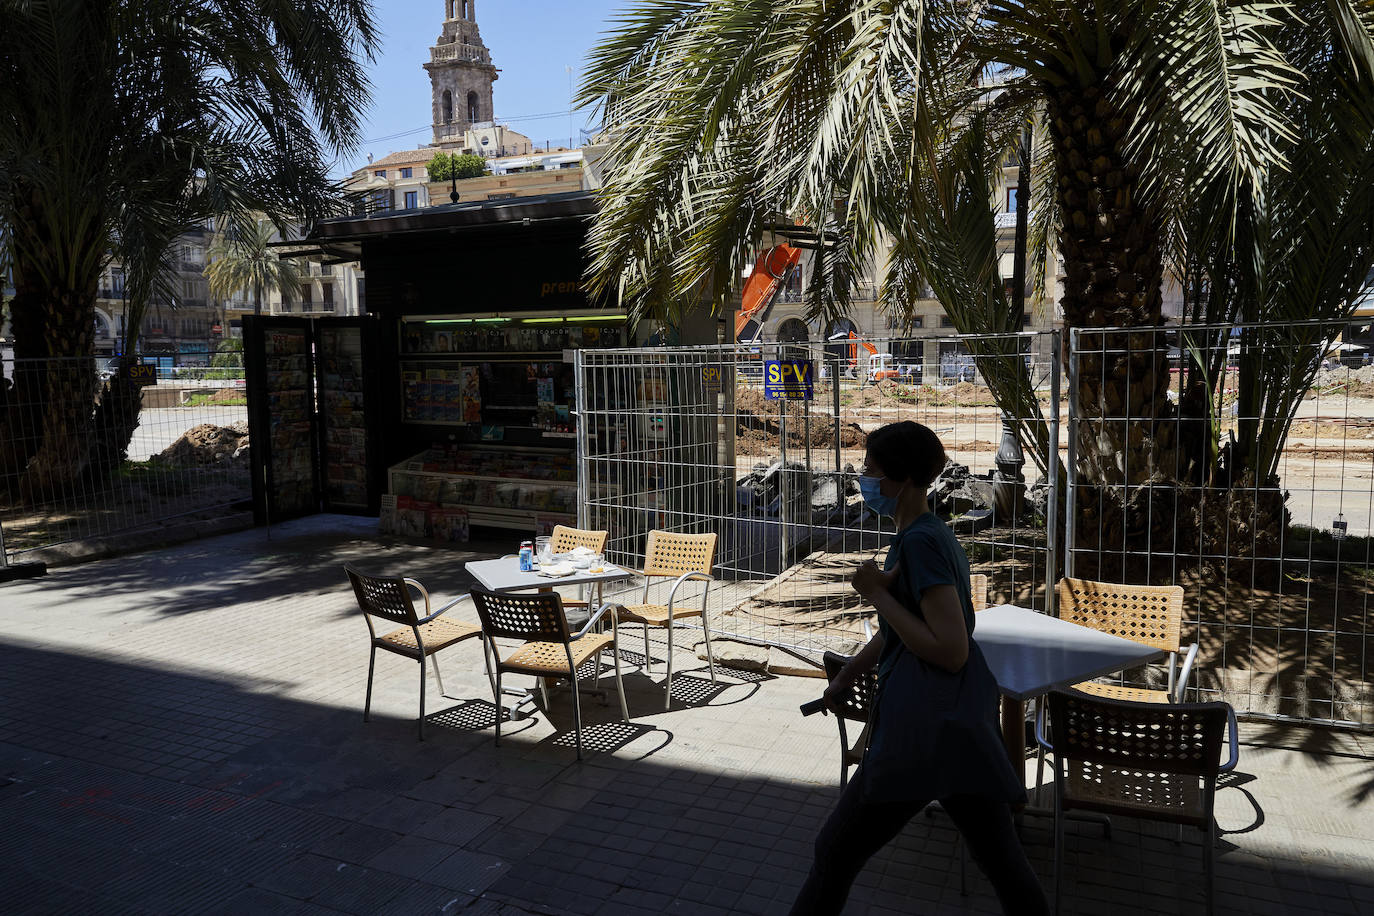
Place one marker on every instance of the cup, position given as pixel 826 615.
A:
pixel 598 563
pixel 543 549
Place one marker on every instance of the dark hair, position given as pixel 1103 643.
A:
pixel 907 451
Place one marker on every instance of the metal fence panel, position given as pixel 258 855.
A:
pixel 684 439
pixel 1271 430
pixel 187 457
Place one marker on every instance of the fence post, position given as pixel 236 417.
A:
pixel 1052 496
pixel 784 496
pixel 1071 472
pixel 581 419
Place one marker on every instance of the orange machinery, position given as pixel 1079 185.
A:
pixel 769 270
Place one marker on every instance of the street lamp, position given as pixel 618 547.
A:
pixel 453 184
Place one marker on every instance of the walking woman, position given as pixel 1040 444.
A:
pixel 934 728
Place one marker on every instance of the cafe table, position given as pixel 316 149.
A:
pixel 1031 653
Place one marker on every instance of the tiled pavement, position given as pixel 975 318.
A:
pixel 180 732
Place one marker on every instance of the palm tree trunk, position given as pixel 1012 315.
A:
pixel 257 299
pixel 67 391
pixel 1114 268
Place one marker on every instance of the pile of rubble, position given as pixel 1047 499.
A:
pixel 208 445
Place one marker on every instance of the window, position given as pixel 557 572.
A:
pixel 473 113
pixel 407 173
pixel 305 297
pixel 918 321
pixel 328 289
pixel 570 165
pixel 448 107
pixel 380 173
pixel 412 199
pixel 946 321
pixel 1026 320
pixel 1011 200
pixel 117 281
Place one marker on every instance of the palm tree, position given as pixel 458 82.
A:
pixel 241 261
pixel 125 123
pixel 722 114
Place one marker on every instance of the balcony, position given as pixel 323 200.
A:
pixel 444 53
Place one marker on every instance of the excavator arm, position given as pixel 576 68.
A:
pixel 769 270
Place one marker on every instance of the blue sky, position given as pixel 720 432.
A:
pixel 532 42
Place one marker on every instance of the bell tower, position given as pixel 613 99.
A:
pixel 460 75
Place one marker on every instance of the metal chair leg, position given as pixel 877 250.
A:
pixel 544 694
pixel 498 704
pixel 619 685
pixel 710 656
pixel 1208 861
pixel 577 714
pixel 422 699
pixel 1058 847
pixel 434 660
pixel 844 752
pixel 668 684
pixel 648 659
pixel 367 704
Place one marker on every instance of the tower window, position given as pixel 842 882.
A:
pixel 448 107
pixel 472 108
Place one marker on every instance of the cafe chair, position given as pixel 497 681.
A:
pixel 978 587
pixel 857 707
pixel 682 558
pixel 565 540
pixel 548 649
pixel 1156 761
pixel 1147 614
pixel 418 638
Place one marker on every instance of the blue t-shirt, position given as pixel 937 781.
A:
pixel 930 555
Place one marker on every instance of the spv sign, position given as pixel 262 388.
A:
pixel 788 379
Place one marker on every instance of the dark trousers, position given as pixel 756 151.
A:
pixel 856 830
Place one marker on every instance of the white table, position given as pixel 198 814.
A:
pixel 1032 653
pixel 504 575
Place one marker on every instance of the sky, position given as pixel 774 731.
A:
pixel 532 43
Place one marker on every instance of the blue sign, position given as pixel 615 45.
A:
pixel 788 379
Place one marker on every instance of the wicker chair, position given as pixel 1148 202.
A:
pixel 978 587
pixel 857 707
pixel 1158 761
pixel 565 540
pixel 418 638
pixel 683 558
pixel 549 650
pixel 1148 614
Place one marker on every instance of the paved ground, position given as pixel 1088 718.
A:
pixel 181 733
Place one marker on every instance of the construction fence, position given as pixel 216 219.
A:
pixel 1194 478
pixel 85 455
pixel 690 439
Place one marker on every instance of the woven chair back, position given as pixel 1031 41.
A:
pixel 978 586
pixel 1147 614
pixel 670 554
pixel 859 704
pixel 567 539
pixel 1182 738
pixel 383 596
pixel 534 618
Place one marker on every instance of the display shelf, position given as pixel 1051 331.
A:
pixel 508 487
pixel 345 419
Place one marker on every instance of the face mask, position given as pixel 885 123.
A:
pixel 878 504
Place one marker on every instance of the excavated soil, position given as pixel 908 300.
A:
pixel 209 445
pixel 758 427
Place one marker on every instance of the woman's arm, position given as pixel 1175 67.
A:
pixel 940 638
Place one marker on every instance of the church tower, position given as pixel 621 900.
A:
pixel 460 75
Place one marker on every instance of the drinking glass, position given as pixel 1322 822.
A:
pixel 543 549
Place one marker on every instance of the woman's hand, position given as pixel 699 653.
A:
pixel 870 581
pixel 838 691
